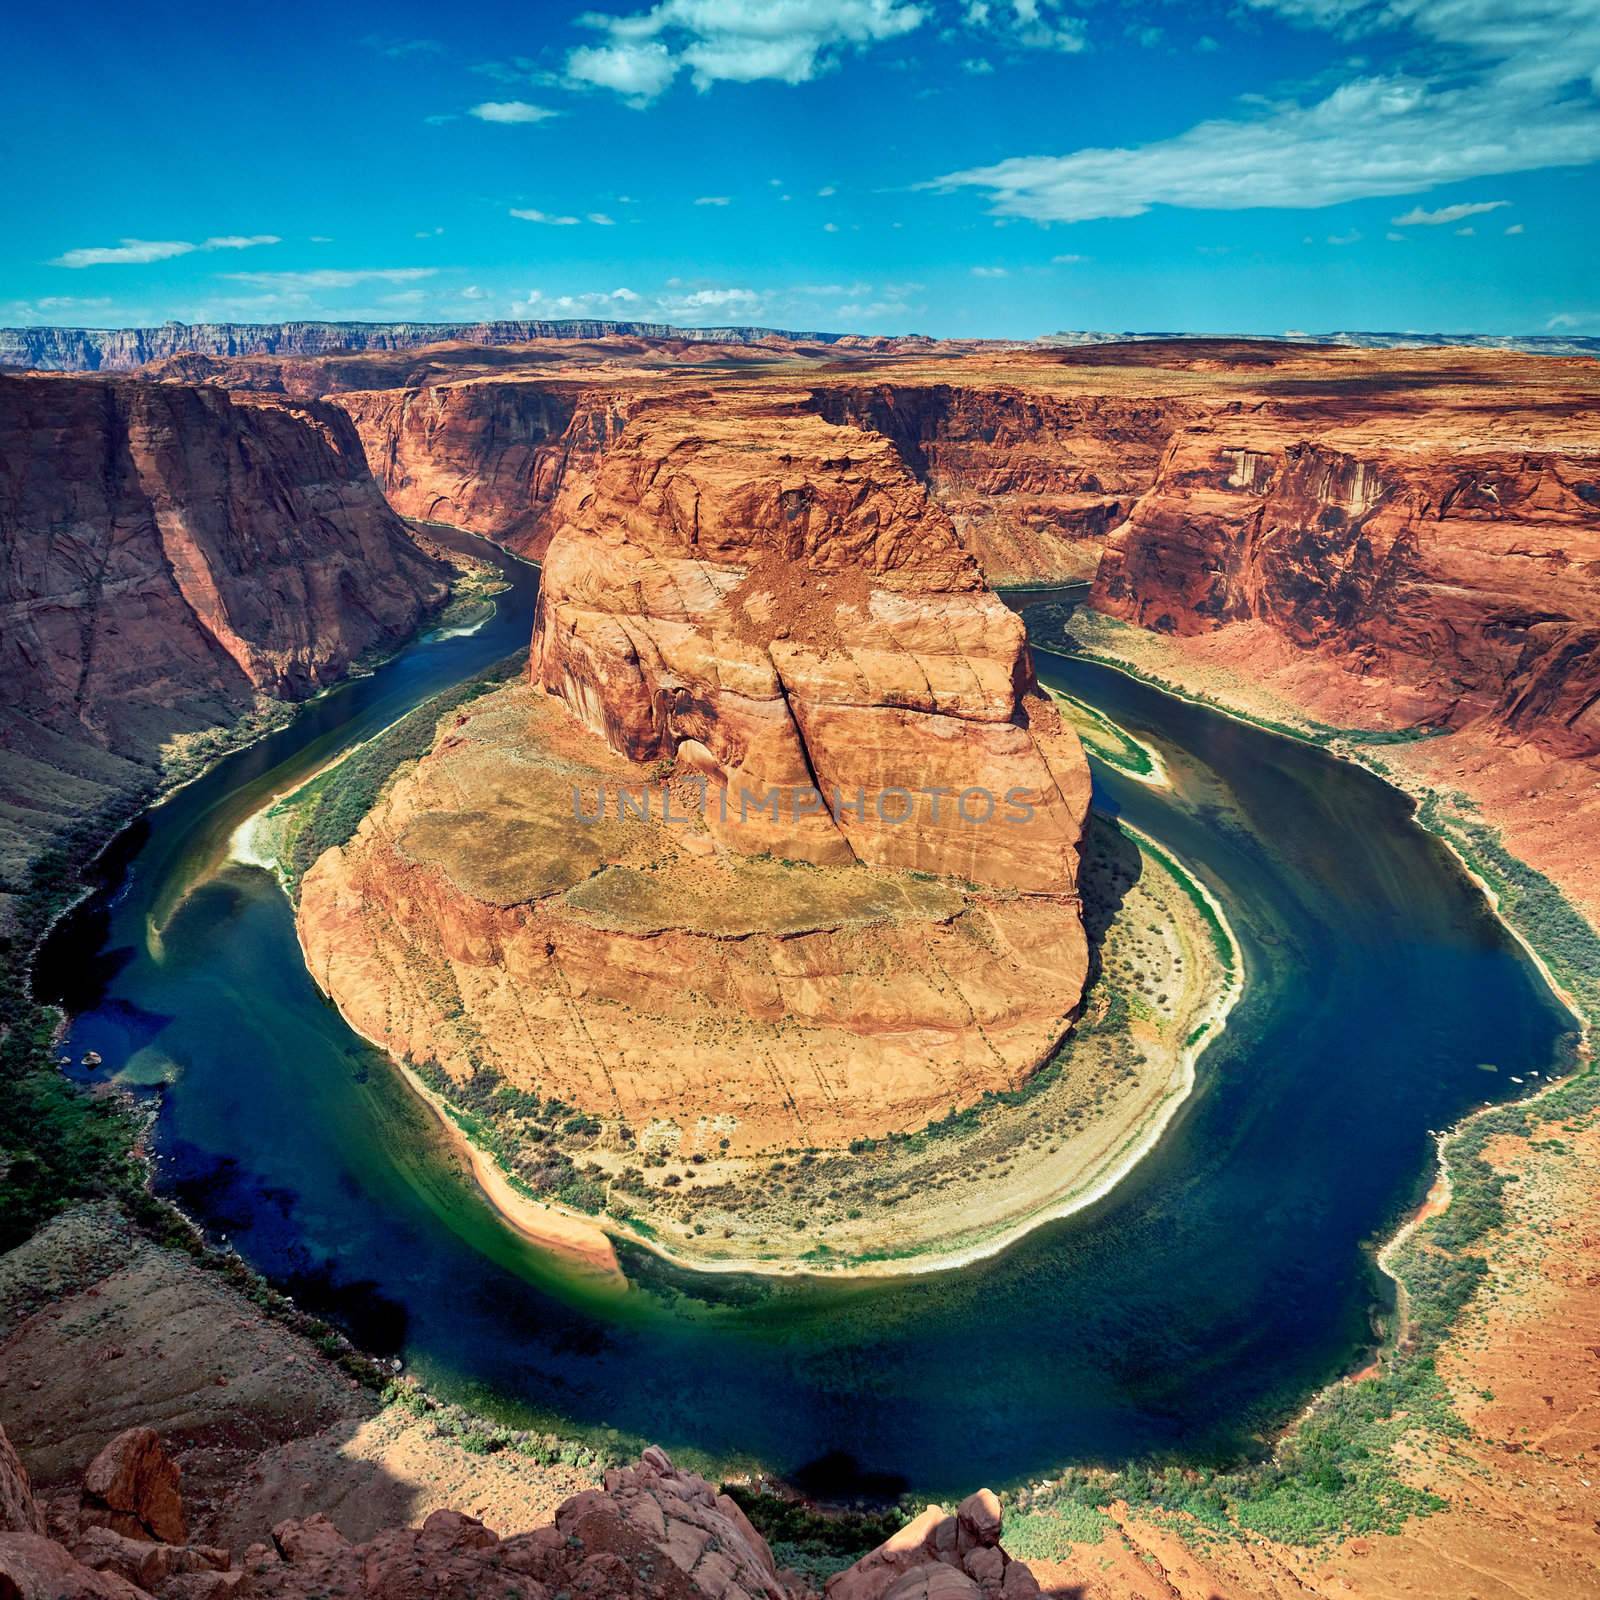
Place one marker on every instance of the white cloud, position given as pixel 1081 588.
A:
pixel 141 252
pixel 978 66
pixel 474 292
pixel 600 219
pixel 827 192
pixel 1066 261
pixel 872 310
pixel 609 301
pixel 830 227
pixel 1417 217
pixel 427 233
pixel 529 214
pixel 1028 24
pixel 732 41
pixel 1502 86
pixel 701 300
pixel 1572 319
pixel 713 200
pixel 330 278
pixel 510 111
pixel 240 241
pixel 1353 237
pixel 990 272
pixel 638 72
pixel 1396 238
pixel 1515 228
pixel 1466 233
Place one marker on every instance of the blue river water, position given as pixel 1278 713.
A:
pixel 1186 1316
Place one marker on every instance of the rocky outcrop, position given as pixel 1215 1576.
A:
pixel 168 554
pixel 775 604
pixel 120 349
pixel 652 1532
pixel 1032 480
pixel 764 619
pixel 940 1556
pixel 19 1511
pixel 487 455
pixel 1463 577
pixel 131 1489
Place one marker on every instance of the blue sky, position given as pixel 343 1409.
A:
pixel 956 167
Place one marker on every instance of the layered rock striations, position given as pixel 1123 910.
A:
pixel 1032 479
pixel 487 455
pixel 1460 576
pixel 168 555
pixel 120 349
pixel 865 909
pixel 776 603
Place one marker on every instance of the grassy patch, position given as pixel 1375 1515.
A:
pixel 327 811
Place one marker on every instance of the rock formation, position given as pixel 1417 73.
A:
pixel 120 349
pixel 167 555
pixel 767 615
pixel 1461 574
pixel 653 1532
pixel 940 1556
pixel 1032 480
pixel 487 455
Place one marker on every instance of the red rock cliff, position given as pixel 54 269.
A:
pixel 1032 480
pixel 488 455
pixel 1463 575
pixel 167 552
pixel 774 601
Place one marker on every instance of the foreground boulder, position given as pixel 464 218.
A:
pixel 940 1556
pixel 19 1511
pixel 131 1488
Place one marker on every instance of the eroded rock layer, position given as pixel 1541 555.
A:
pixel 488 455
pixel 1032 480
pixel 167 554
pixel 1462 574
pixel 864 910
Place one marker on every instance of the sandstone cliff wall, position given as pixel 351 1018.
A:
pixel 775 602
pixel 1466 579
pixel 167 554
pixel 1032 480
pixel 490 456
pixel 119 349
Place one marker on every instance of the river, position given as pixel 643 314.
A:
pixel 1185 1317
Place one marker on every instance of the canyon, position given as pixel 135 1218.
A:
pixel 777 576
pixel 765 612
pixel 173 559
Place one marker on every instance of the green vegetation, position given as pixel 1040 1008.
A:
pixel 816 1543
pixel 523 1134
pixel 327 811
pixel 482 1436
pixel 57 1144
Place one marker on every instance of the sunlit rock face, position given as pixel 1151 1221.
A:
pixel 863 909
pixel 775 602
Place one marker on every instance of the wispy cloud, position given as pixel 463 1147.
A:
pixel 140 252
pixel 724 41
pixel 510 111
pixel 1416 217
pixel 398 49
pixel 529 214
pixel 330 277
pixel 1495 87
pixel 713 200
pixel 1028 24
